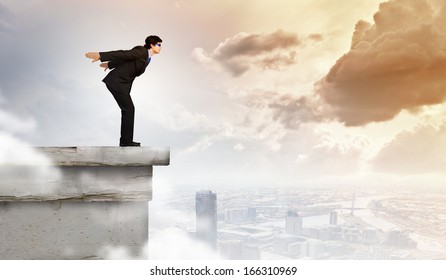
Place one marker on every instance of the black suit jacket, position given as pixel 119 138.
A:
pixel 126 65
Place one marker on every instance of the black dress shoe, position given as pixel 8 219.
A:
pixel 130 144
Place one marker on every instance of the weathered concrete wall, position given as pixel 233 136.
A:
pixel 72 230
pixel 93 198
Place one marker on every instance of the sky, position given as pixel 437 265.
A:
pixel 245 93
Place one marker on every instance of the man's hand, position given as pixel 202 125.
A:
pixel 105 65
pixel 93 55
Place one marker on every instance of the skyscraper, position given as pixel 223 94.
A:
pixel 333 218
pixel 353 204
pixel 206 217
pixel 293 223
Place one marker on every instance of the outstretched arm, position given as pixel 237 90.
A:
pixel 94 56
pixel 134 53
pixel 104 65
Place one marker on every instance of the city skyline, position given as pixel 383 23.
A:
pixel 303 223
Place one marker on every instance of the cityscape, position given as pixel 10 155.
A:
pixel 315 223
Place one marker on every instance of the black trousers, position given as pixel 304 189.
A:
pixel 125 102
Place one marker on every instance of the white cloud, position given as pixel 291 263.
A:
pixel 12 124
pixel 239 147
pixel 174 244
pixel 334 155
pixel 178 117
pixel 26 172
pixel 123 253
pixel 19 161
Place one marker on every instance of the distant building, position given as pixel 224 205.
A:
pixel 234 234
pixel 334 248
pixel 241 215
pixel 252 214
pixel 401 239
pixel 236 216
pixel 351 234
pixel 333 218
pixel 250 252
pixel 325 233
pixel 369 235
pixel 206 217
pixel 237 250
pixel 297 249
pixel 381 253
pixel 230 249
pixel 290 246
pixel 353 205
pixel 315 249
pixel 293 223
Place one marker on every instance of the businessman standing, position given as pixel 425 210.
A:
pixel 126 65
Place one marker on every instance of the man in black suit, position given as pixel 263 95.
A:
pixel 126 66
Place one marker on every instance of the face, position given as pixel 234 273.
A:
pixel 156 48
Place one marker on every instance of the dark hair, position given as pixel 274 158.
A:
pixel 152 40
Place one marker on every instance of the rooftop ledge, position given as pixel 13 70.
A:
pixel 106 156
pixel 83 173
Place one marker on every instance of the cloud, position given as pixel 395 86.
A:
pixel 398 63
pixel 178 118
pixel 261 117
pixel 334 155
pixel 416 151
pixel 110 252
pixel 244 52
pixel 239 147
pixel 269 115
pixel 316 37
pixel 168 237
pixel 15 125
pixel 173 243
pixel 19 162
pixel 291 111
